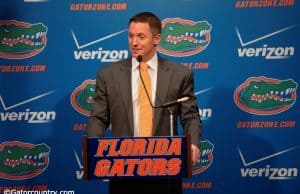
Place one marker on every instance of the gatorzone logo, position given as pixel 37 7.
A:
pixel 19 40
pixel 182 38
pixel 265 96
pixel 206 158
pixel 21 160
pixel 82 97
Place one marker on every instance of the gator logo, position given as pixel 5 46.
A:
pixel 265 96
pixel 19 40
pixel 20 160
pixel 206 157
pixel 184 37
pixel 82 97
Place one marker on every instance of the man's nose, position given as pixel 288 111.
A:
pixel 135 41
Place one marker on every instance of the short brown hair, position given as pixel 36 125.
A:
pixel 149 18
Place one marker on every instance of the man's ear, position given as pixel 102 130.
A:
pixel 157 38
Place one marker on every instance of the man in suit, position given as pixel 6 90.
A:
pixel 117 100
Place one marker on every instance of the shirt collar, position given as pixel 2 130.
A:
pixel 152 63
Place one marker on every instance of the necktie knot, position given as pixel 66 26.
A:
pixel 144 66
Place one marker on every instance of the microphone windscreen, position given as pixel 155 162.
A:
pixel 139 58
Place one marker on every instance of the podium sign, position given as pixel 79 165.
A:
pixel 134 157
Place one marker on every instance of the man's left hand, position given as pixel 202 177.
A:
pixel 195 153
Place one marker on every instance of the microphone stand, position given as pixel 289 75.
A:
pixel 171 111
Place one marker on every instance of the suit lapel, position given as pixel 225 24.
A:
pixel 124 83
pixel 163 81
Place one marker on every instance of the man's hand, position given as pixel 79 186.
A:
pixel 195 154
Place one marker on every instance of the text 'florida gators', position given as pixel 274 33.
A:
pixel 147 157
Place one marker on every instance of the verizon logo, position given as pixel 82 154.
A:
pixel 265 51
pixel 100 54
pixel 268 172
pixel 27 115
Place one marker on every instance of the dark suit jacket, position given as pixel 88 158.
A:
pixel 113 100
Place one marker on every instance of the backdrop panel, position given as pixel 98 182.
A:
pixel 244 55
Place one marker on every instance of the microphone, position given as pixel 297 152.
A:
pixel 139 58
pixel 171 103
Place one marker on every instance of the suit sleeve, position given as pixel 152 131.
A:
pixel 99 119
pixel 189 112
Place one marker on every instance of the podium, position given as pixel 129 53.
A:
pixel 137 157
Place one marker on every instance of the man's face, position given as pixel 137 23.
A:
pixel 141 40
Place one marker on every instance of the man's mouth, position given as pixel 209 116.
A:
pixel 136 51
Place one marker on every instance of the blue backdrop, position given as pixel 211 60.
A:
pixel 244 57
